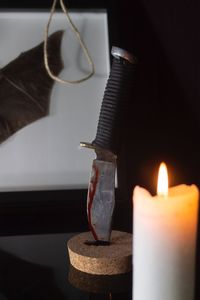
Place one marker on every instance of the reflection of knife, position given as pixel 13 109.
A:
pixel 101 191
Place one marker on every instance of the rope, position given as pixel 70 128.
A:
pixel 83 46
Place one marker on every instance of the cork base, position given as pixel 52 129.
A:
pixel 101 260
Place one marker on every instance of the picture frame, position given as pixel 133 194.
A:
pixel 61 208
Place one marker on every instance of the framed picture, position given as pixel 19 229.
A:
pixel 43 170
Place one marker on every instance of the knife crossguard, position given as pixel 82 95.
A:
pixel 101 191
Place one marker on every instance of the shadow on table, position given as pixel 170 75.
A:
pixel 20 279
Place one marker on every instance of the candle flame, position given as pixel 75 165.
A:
pixel 162 186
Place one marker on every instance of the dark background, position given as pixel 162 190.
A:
pixel 163 119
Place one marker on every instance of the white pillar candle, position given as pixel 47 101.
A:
pixel 164 243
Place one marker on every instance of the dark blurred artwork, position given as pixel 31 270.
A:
pixel 25 86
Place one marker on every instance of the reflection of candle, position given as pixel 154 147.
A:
pixel 164 243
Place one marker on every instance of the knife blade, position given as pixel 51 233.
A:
pixel 101 189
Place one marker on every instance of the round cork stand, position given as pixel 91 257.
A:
pixel 102 260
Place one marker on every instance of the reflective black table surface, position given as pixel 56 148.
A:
pixel 38 267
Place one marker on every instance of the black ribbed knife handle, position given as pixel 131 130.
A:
pixel 116 97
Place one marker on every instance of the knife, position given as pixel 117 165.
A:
pixel 101 190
